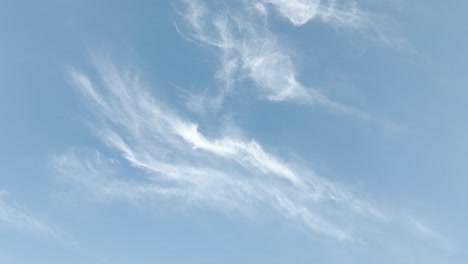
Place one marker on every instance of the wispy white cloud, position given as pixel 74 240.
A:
pixel 337 13
pixel 176 160
pixel 250 52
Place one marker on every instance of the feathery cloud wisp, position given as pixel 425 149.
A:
pixel 228 173
pixel 249 51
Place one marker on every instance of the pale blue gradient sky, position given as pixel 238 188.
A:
pixel 206 131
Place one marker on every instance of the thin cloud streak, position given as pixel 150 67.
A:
pixel 176 161
pixel 427 232
pixel 13 215
pixel 16 217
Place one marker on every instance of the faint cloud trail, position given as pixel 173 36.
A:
pixel 12 214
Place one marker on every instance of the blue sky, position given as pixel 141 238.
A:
pixel 206 131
